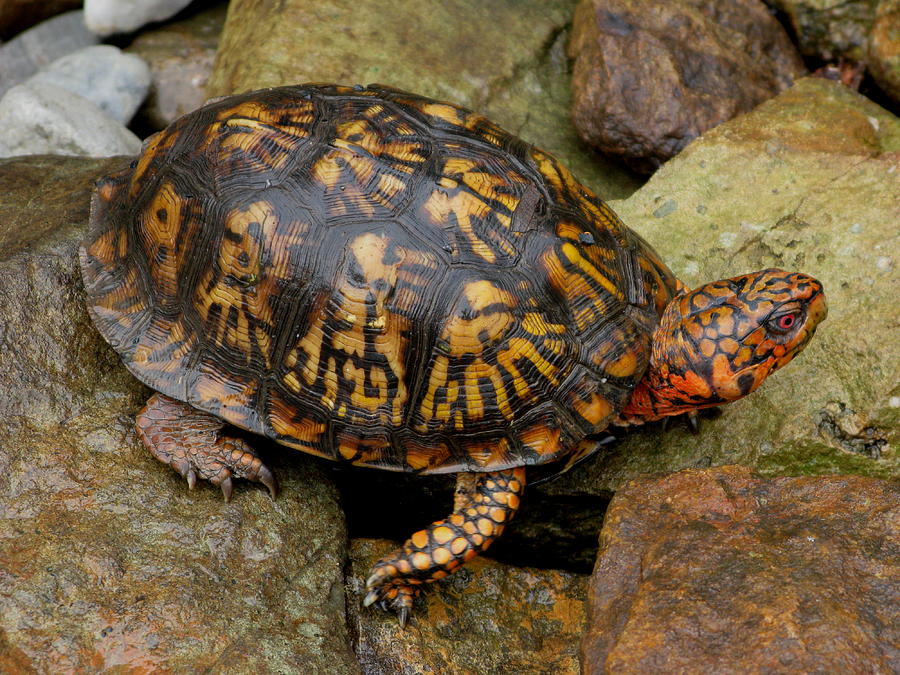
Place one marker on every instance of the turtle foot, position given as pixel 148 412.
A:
pixel 190 441
pixel 483 504
pixel 390 594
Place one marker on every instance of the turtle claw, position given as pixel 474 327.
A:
pixel 227 486
pixel 403 616
pixel 268 479
pixel 693 421
pixel 191 479
pixel 391 596
pixel 371 598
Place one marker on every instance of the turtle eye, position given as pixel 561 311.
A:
pixel 784 322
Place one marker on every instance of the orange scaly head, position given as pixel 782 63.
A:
pixel 718 343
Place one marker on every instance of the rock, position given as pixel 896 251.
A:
pixel 883 48
pixel 39 118
pixel 180 55
pixel 115 82
pixel 17 15
pixel 108 17
pixel 504 59
pixel 724 571
pixel 109 562
pixel 809 180
pixel 485 618
pixel 650 77
pixel 21 57
pixel 829 30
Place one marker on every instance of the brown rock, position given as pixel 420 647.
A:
pixel 883 48
pixel 651 76
pixel 723 571
pixel 107 561
pixel 17 15
pixel 180 55
pixel 485 618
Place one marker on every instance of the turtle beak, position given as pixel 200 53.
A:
pixel 816 310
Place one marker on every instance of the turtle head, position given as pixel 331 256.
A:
pixel 717 343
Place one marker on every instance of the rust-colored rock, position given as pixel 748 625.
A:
pixel 19 15
pixel 486 618
pixel 720 570
pixel 651 76
pixel 180 55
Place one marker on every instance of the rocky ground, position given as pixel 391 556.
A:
pixel 768 543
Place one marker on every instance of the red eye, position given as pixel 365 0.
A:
pixel 783 323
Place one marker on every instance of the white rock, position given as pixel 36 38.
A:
pixel 107 17
pixel 39 118
pixel 107 77
pixel 22 56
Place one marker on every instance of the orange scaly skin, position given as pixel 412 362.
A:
pixel 191 442
pixel 718 343
pixel 484 504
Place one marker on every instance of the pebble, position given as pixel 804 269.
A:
pixel 22 56
pixel 107 77
pixel 108 17
pixel 41 118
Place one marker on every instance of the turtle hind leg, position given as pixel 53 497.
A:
pixel 189 440
pixel 484 503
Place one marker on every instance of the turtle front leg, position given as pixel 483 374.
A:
pixel 189 440
pixel 484 504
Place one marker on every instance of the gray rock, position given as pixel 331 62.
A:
pixel 114 81
pixel 108 17
pixel 35 48
pixel 40 118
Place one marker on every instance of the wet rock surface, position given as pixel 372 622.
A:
pixel 505 59
pixel 486 618
pixel 180 55
pixel 725 571
pixel 109 561
pixel 649 79
pixel 809 181
pixel 39 46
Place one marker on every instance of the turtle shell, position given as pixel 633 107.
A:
pixel 371 276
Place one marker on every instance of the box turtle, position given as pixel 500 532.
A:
pixel 382 279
